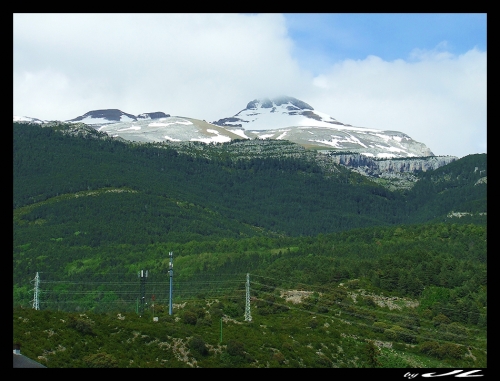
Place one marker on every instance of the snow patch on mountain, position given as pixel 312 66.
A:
pixel 164 123
pixel 27 119
pixel 130 128
pixel 240 132
pixel 218 138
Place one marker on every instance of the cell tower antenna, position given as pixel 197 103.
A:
pixel 171 276
pixel 248 316
pixel 143 275
pixel 36 302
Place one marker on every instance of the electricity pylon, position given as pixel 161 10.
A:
pixel 36 303
pixel 248 316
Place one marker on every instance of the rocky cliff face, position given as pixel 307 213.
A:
pixel 377 168
pixel 153 115
pixel 391 173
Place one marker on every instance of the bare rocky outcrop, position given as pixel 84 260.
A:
pixel 378 167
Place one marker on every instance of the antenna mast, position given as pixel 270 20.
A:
pixel 171 276
pixel 143 276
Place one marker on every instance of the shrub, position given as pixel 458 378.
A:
pixel 380 326
pixel 440 319
pixel 206 321
pixel 427 314
pixel 215 312
pixel 198 344
pixel 100 360
pixel 452 350
pixel 368 301
pixel 279 358
pixel 391 333
pixel 323 309
pixel 189 318
pixel 235 348
pixel 322 362
pixel 457 329
pixel 234 354
pixel 429 347
pixel 287 346
pixel 400 334
pixel 233 310
pixel 442 351
pixel 200 312
pixel 81 325
pixel 371 353
pixel 353 284
pixel 339 295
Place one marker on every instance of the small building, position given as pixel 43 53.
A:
pixel 21 361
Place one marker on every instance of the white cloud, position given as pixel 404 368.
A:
pixel 438 99
pixel 197 65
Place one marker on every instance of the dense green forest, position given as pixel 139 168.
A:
pixel 287 195
pixel 90 212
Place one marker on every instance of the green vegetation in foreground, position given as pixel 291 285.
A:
pixel 435 274
pixel 281 334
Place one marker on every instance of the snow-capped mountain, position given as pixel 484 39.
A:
pixel 28 119
pixel 109 116
pixel 292 119
pixel 282 118
pixel 281 112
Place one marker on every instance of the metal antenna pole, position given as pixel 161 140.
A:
pixel 248 316
pixel 143 276
pixel 171 276
pixel 36 303
pixel 153 302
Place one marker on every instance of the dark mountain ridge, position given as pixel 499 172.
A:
pixel 115 115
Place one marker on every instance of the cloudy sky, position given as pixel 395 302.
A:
pixel 421 74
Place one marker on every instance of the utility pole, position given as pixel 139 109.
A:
pixel 36 303
pixel 248 316
pixel 171 276
pixel 143 276
pixel 153 302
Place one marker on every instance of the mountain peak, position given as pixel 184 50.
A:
pixel 104 116
pixel 153 115
pixel 113 115
pixel 279 112
pixel 278 101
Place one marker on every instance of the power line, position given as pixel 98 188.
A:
pixel 331 289
pixel 362 324
pixel 364 308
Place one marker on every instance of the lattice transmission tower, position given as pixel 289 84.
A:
pixel 36 302
pixel 248 315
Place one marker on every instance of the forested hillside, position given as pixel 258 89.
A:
pixel 287 195
pixel 91 211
